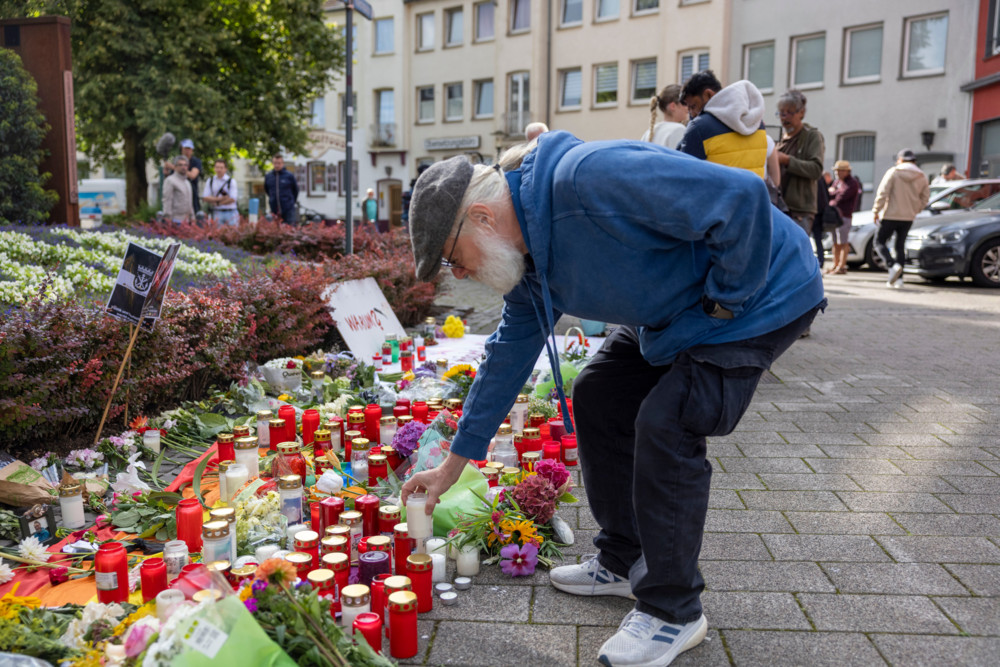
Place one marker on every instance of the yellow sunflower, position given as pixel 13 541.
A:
pixel 456 370
pixel 521 530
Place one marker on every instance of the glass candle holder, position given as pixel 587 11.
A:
pixel 402 546
pixel 334 544
pixel 468 561
pixel 167 602
pixel 551 450
pixel 420 411
pixel 569 455
pixel 316 378
pixel 395 584
pixel 307 541
pixel 241 431
pixel 335 425
pixel 378 469
pixel 227 514
pixel 71 505
pixel 224 446
pixel 329 512
pixel 406 361
pixel 236 476
pixel 290 460
pixel 373 414
pixel 322 443
pixel 387 429
pixel 151 440
pixel 152 578
pixel 439 568
pixel 290 494
pixel 263 432
pixel 436 545
pixel 388 517
pixel 247 454
pixel 402 613
pixel 354 601
pixel 371 564
pixel 353 520
pixel 519 413
pixel 369 626
pixel 287 412
pixel 310 424
pixel 419 523
pixel 189 519
pixel 276 431
pixel 368 506
pixel 215 541
pixel 111 573
pixel 176 557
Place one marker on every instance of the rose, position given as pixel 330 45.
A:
pixel 58 575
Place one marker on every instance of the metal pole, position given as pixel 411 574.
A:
pixel 349 134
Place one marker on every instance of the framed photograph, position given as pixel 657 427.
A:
pixel 40 522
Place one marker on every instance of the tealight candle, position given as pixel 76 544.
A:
pixel 151 440
pixel 442 588
pixel 439 572
pixel 448 599
pixel 468 560
pixel 436 545
pixel 463 583
pixel 419 524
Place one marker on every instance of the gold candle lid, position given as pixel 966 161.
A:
pixel 377 459
pixel 317 375
pixel 289 482
pixel 355 408
pixel 241 431
pixel 70 490
pixel 510 471
pixel 334 541
pixel 224 437
pixel 277 422
pixel 532 432
pixel 405 353
pixel 522 398
pixel 360 444
pixel 288 447
pixel 518 437
pixel 398 582
pixel 206 594
pixel 536 415
pixel 442 363
pixel 490 472
pixel 378 543
pixel 246 442
pixel 350 517
pixel 247 570
pixel 387 420
pixel 404 419
pixel 223 514
pixel 430 320
pixel 403 601
pixel 355 595
pixel 494 464
pixel 531 456
pixel 336 561
pixel 306 536
pixel 298 558
pixel 321 577
pixel 401 530
pixel 215 529
pixel 340 529
pixel 350 436
pixel 321 435
pixel 219 565
pixel 224 466
pixel 388 511
pixel 453 403
pixel 504 429
pixel 419 562
pixel 265 415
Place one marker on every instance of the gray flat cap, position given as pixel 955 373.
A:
pixel 434 205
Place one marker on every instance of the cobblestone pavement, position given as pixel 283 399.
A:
pixel 855 512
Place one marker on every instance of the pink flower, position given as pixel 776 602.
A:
pixel 519 561
pixel 555 472
pixel 536 497
pixel 58 575
pixel 137 639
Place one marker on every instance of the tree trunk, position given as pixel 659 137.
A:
pixel 136 184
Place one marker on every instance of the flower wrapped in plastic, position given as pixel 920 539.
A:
pixel 259 521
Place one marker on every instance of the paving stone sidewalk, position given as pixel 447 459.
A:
pixel 855 511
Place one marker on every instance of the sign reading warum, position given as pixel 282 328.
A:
pixel 362 315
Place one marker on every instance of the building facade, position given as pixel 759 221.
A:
pixel 984 142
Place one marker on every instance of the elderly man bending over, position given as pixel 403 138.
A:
pixel 711 284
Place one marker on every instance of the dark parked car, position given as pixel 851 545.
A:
pixel 967 244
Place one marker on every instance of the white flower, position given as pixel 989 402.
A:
pixel 6 574
pixel 33 550
pixel 169 424
pixel 78 627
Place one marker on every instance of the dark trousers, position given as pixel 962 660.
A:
pixel 641 434
pixel 886 229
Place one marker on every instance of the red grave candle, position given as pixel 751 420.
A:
pixel 276 433
pixel 400 410
pixel 378 468
pixel 569 456
pixel 152 578
pixel 388 517
pixel 373 414
pixel 368 506
pixel 310 424
pixel 406 361
pixel 111 573
pixel 329 512
pixel 421 353
pixel 369 625
pixel 403 607
pixel 340 563
pixel 287 413
pixel 419 569
pixel 557 429
pixel 552 450
pixel 403 402
pixel 189 519
pixel 378 594
pixel 420 411
pixel 225 447
pixel 307 542
pixel 402 546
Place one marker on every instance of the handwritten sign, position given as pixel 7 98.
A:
pixel 362 315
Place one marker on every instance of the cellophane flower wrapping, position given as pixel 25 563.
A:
pixel 259 521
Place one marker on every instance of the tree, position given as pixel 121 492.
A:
pixel 22 129
pixel 234 75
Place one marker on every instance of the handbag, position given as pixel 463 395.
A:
pixel 831 218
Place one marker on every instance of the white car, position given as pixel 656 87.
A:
pixel 957 196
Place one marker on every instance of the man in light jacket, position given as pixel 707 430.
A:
pixel 903 192
pixel 711 284
pixel 177 204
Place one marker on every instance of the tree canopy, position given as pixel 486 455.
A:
pixel 233 75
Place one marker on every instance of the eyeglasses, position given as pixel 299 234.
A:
pixel 447 263
pixel 786 112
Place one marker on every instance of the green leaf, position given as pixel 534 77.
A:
pixel 126 518
pixel 155 471
pixel 162 535
pixel 196 481
pixel 567 498
pixel 151 531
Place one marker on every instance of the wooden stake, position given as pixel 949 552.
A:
pixel 121 369
pixel 128 371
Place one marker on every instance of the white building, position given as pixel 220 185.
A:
pixel 879 76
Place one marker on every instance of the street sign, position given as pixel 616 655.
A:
pixel 362 7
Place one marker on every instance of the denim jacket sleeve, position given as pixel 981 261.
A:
pixel 511 352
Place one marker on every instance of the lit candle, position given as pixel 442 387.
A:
pixel 369 626
pixel 439 573
pixel 236 476
pixel 151 439
pixel 468 560
pixel 436 545
pixel 419 523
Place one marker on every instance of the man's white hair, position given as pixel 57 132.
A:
pixel 534 129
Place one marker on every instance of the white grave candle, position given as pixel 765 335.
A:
pixel 440 572
pixel 236 476
pixel 166 602
pixel 468 560
pixel 436 545
pixel 266 551
pixel 420 524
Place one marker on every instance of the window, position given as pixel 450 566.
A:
pixel 606 85
pixel 484 99
pixel 384 35
pixel 808 54
pixel 570 88
pixel 863 54
pixel 645 6
pixel 425 31
pixel 643 80
pixel 343 109
pixel 607 9
pixel 572 12
pixel 758 66
pixel 993 38
pixel 425 105
pixel 318 112
pixel 924 42
pixel 520 15
pixel 691 63
pixel 385 112
pixel 484 21
pixel 859 149
pixel 518 103
pixel 453 21
pixel 453 101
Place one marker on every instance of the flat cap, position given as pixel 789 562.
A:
pixel 906 155
pixel 841 164
pixel 434 206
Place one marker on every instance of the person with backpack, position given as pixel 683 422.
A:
pixel 844 195
pixel 220 194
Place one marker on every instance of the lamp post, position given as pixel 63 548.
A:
pixel 498 138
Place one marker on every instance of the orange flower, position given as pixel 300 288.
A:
pixel 138 422
pixel 276 571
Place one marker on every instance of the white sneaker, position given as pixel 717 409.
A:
pixel 897 283
pixel 646 641
pixel 895 272
pixel 590 578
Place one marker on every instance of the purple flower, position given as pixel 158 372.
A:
pixel 554 471
pixel 259 585
pixel 519 561
pixel 251 605
pixel 406 439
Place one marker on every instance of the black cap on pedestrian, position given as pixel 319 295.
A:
pixel 434 206
pixel 906 155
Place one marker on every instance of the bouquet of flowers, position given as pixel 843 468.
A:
pixel 259 521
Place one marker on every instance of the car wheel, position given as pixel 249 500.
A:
pixel 872 258
pixel 985 267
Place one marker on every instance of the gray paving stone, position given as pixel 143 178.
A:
pixel 816 649
pixel 765 576
pixel 425 631
pixel 968 440
pixel 770 437
pixel 709 652
pixel 733 546
pixel 852 466
pixel 822 438
pixel 783 450
pixel 554 606
pixel 499 603
pixel 723 449
pixel 980 579
pixel 792 500
pixel 870 501
pixel 724 499
pixel 904 483
pixel 893 578
pixel 917 651
pixel 808 482
pixel 825 547
pixel 951 468
pixel 473 644
pixel 978 485
pixel 746 521
pixel 901 428
pixel 948 453
pixel 754 611
pixel 789 409
pixel 972 428
pixel 736 480
pixel 971 504
pixel 584 543
pixel 976 616
pixel 759 465
pixel 492 575
pixel 844 523
pixel 875 613
pixel 941 549
pixel 863 452
pixel 969 525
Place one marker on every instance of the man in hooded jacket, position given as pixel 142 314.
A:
pixel 711 284
pixel 903 192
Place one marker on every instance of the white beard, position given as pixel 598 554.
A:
pixel 502 265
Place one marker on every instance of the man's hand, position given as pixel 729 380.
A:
pixel 783 158
pixel 875 219
pixel 435 482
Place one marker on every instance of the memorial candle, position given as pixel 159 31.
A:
pixel 378 469
pixel 333 544
pixel 388 517
pixel 387 429
pixel 307 541
pixel 372 563
pixel 373 413
pixel 227 514
pixel 336 427
pixel 321 444
pixel 378 594
pixel 302 563
pixel 287 412
pixel 167 602
pixel 224 446
pixel 403 624
pixel 248 455
pixel 111 572
pixel 420 411
pixel 368 506
pixel 276 430
pixel 353 519
pixel 152 578
pixel 557 429
pixel 71 504
pixel 264 417
pixel 421 353
pixel 189 520
pixel 468 560
pixel 569 450
pixel 386 354
pixel 419 568
pixel 324 582
pixel 420 524
pixel 369 626
pixel 354 601
pixel 402 546
pixel 236 476
pixel 175 557
pixel 552 450
pixel 240 431
pixel 406 361
pixel 341 566
pixel 329 513
pixel 310 424
pixel 439 568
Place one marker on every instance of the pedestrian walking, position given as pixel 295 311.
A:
pixel 844 194
pixel 282 191
pixel 711 283
pixel 177 206
pixel 903 192
pixel 800 154
pixel 221 194
pixel 670 130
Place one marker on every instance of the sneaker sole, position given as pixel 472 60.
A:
pixel 894 276
pixel 697 637
pixel 621 589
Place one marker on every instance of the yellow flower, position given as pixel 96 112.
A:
pixel 522 530
pixel 408 375
pixel 456 370
pixel 92 658
pixel 453 327
pixel 284 397
pixel 246 593
pixel 11 605
pixel 145 610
